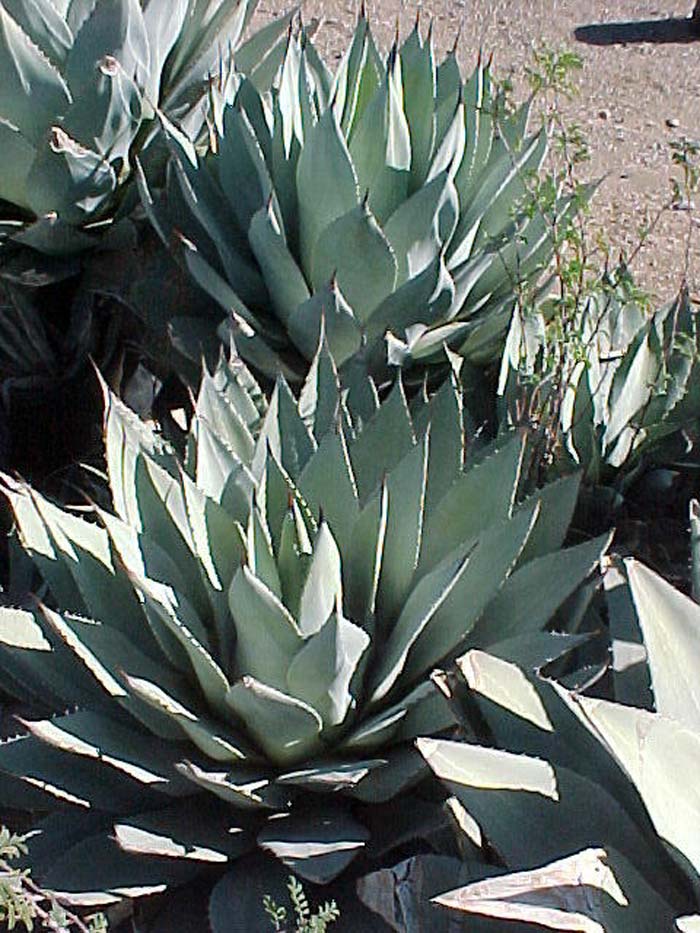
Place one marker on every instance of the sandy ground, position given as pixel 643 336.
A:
pixel 638 90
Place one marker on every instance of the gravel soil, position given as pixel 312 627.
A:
pixel 639 89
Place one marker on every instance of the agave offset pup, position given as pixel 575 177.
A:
pixel 243 646
pixel 80 82
pixel 589 798
pixel 389 199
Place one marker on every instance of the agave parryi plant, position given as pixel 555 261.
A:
pixel 590 802
pixel 389 198
pixel 247 638
pixel 79 84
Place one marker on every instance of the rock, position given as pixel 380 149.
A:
pixel 672 123
pixel 604 114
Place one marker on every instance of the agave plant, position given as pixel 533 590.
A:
pixel 589 802
pixel 80 82
pixel 389 199
pixel 628 383
pixel 247 637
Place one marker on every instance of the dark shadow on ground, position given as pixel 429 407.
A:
pixel 676 29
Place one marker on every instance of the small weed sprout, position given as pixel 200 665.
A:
pixel 305 921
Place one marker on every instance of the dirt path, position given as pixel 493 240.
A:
pixel 635 95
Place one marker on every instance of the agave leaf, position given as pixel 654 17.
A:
pixel 44 25
pixel 22 66
pixel 323 588
pixel 326 312
pixel 69 179
pixel 286 728
pixel 448 86
pixel 202 197
pixel 66 778
pixel 331 776
pixel 648 745
pixel 216 836
pixel 163 509
pixel 163 27
pixel 317 848
pixel 354 251
pixel 328 486
pixel 505 685
pixel 490 564
pixel 322 672
pixel 261 55
pixel 107 114
pixel 293 556
pixel 531 595
pixel 424 601
pixel 670 622
pixel 629 656
pixel 558 500
pixel 419 87
pixel 174 719
pixel 319 400
pixel 365 553
pixel 247 790
pixel 218 541
pixel 94 736
pixel 473 503
pixel 383 443
pixel 404 769
pixel 267 636
pixel 96 872
pixel 422 225
pixel 504 186
pixel 380 145
pixel 85 550
pixel 291 95
pixel 171 610
pixel 534 651
pixel 240 168
pixel 126 438
pixel 116 29
pixel 422 711
pixel 283 434
pixel 449 150
pixel 488 768
pixel 479 129
pixel 689 924
pixel 18 156
pixel 565 895
pixel 404 530
pixel 37 666
pixel 261 558
pixel 357 77
pixel 35 537
pixel 326 183
pixel 432 292
pixel 286 284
